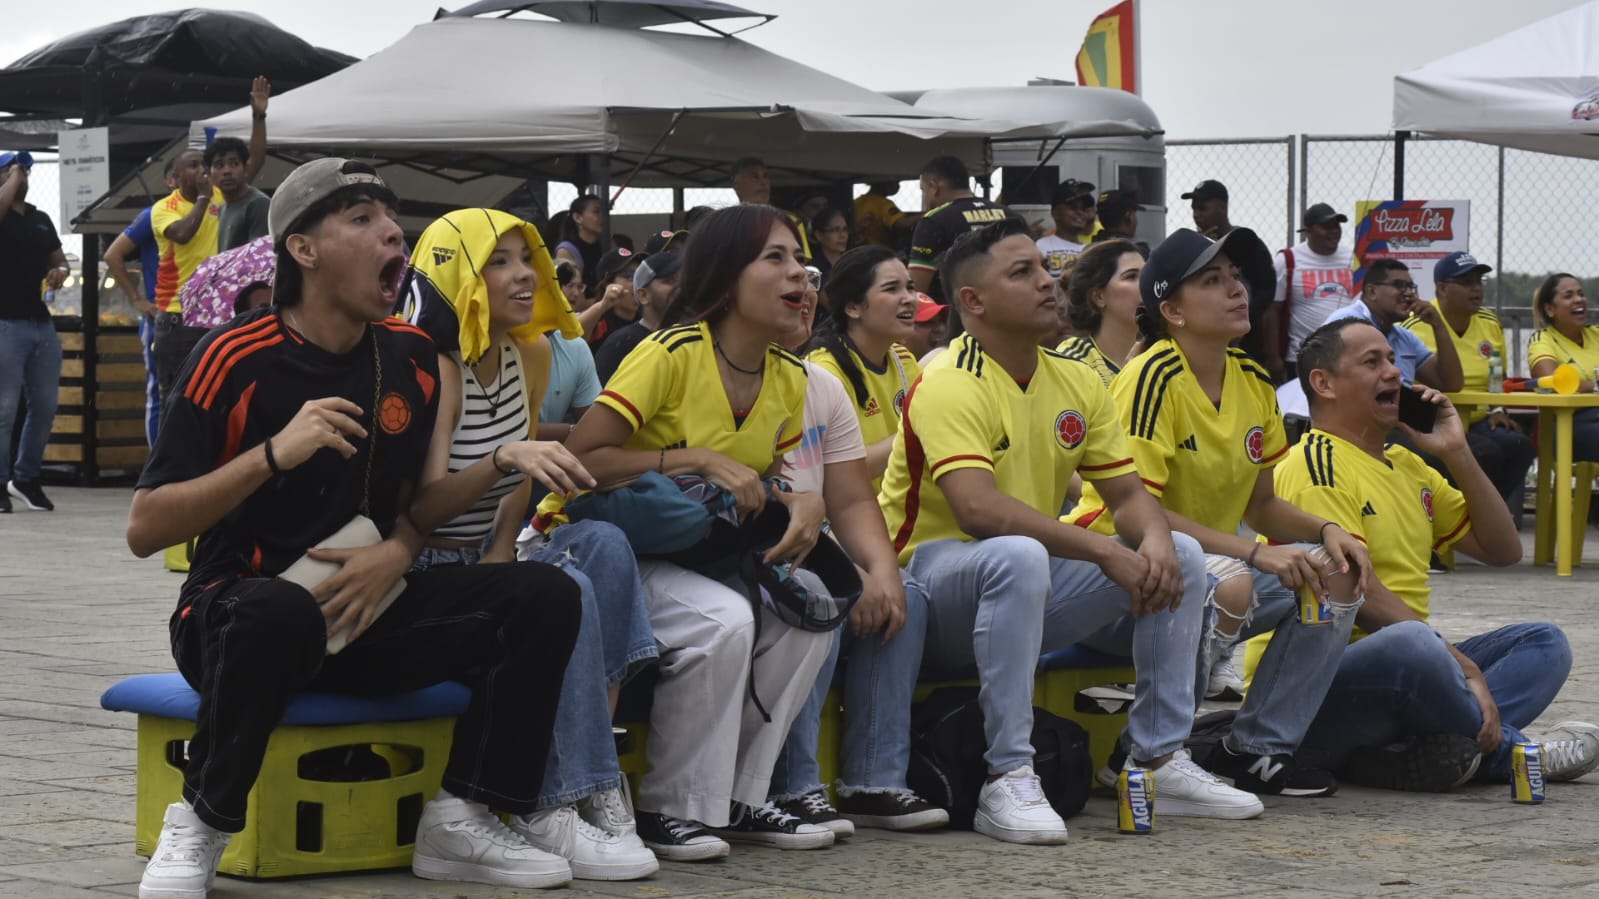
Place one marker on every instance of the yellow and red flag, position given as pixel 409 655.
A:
pixel 1109 54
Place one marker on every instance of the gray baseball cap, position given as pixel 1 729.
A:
pixel 311 183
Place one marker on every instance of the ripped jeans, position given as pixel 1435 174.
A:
pixel 613 641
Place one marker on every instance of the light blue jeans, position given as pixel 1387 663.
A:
pixel 1403 682
pixel 613 640
pixel 875 747
pixel 999 603
pixel 30 360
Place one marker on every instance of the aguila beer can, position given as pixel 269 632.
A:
pixel 1135 801
pixel 1526 773
pixel 1313 609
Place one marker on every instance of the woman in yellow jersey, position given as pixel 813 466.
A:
pixel 874 311
pixel 1205 431
pixel 1566 337
pixel 1102 302
pixel 712 394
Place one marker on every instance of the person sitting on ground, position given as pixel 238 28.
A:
pixel 1497 442
pixel 1566 338
pixel 615 303
pixel 831 461
pixel 1205 431
pixel 1102 303
pixel 1409 709
pixel 286 424
pixel 711 395
pixel 491 305
pixel 932 329
pixel 580 235
pixel 1388 298
pixel 654 282
pixel 863 346
pixel 1005 577
pixel 1071 205
pixel 233 167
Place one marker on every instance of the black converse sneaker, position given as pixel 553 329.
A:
pixel 887 809
pixel 813 808
pixel 767 825
pixel 677 839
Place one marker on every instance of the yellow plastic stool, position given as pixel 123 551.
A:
pixel 176 558
pixel 295 825
pixel 1544 548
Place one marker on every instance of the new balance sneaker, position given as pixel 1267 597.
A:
pixel 1225 684
pixel 887 809
pixel 678 840
pixel 31 494
pixel 594 854
pixel 1012 808
pixel 1570 750
pixel 1185 790
pixel 1434 763
pixel 813 808
pixel 462 840
pixel 1271 775
pixel 184 863
pixel 768 825
pixel 610 811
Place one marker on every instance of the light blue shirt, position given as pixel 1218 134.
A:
pixel 1410 353
pixel 574 384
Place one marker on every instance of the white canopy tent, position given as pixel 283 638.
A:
pixel 1536 88
pixel 461 111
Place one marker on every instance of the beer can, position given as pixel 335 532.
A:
pixel 1135 801
pixel 1526 773
pixel 1313 609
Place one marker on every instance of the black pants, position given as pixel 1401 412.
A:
pixel 173 343
pixel 505 630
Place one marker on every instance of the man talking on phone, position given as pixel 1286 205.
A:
pixel 1409 709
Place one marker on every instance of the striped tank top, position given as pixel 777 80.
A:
pixel 491 416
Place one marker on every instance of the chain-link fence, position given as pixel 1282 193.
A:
pixel 1258 173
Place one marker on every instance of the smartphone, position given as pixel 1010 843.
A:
pixel 1415 411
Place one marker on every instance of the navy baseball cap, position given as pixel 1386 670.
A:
pixel 1207 190
pixel 1185 252
pixel 1321 214
pixel 22 158
pixel 1458 265
pixel 658 265
pixel 1069 190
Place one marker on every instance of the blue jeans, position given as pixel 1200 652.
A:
pixel 1403 682
pixel 30 360
pixel 879 680
pixel 999 603
pixel 613 639
pixel 152 384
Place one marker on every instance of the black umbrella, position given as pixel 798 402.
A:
pixel 618 13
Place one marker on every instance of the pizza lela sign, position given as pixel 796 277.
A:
pixel 1416 232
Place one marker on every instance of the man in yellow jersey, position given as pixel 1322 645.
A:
pixel 990 438
pixel 1495 439
pixel 1408 709
pixel 186 228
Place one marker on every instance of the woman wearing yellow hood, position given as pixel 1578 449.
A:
pixel 482 284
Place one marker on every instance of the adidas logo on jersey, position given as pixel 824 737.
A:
pixel 1189 444
pixel 1368 510
pixel 442 255
pixel 872 408
pixel 1004 444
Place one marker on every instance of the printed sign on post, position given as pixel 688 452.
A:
pixel 85 171
pixel 1416 232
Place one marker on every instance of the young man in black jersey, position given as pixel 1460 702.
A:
pixel 285 425
pixel 951 209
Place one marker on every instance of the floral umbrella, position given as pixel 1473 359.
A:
pixel 213 295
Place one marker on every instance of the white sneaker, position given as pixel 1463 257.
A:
pixel 1225 684
pixel 593 853
pixel 610 811
pixel 1185 790
pixel 461 840
pixel 1570 750
pixel 1013 809
pixel 184 863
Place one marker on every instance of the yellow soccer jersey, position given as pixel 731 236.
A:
pixel 967 412
pixel 1086 351
pixel 179 260
pixel 886 390
pixel 1548 343
pixel 1483 336
pixel 1200 460
pixel 1399 507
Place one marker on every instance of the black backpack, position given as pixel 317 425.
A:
pixel 947 746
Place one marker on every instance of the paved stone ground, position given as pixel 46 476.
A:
pixel 77 613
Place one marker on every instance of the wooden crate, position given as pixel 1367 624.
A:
pixel 118 441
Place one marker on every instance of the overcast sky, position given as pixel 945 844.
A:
pixel 1212 68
